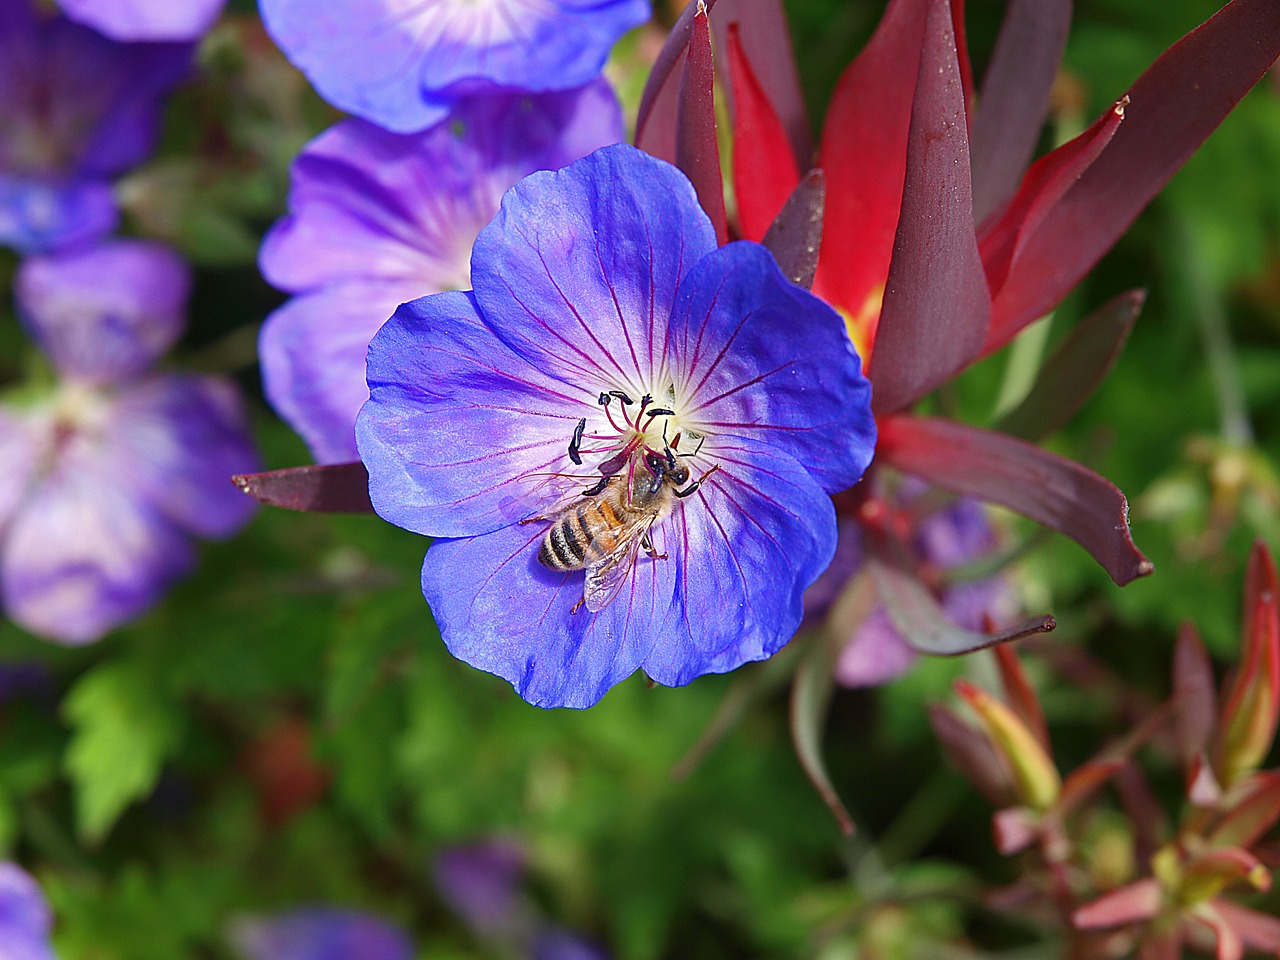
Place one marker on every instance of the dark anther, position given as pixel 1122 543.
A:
pixel 627 401
pixel 576 442
pixel 661 412
pixel 646 400
pixel 598 488
pixel 603 399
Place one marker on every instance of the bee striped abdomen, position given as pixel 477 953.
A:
pixel 565 545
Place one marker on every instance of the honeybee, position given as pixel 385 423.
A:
pixel 604 530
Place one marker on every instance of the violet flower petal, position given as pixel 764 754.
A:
pixel 797 393
pixel 105 313
pixel 762 511
pixel 482 882
pixel 460 434
pixel 20 450
pixel 25 918
pixel 366 203
pixel 403 67
pixel 1174 106
pixel 38 216
pixel 178 439
pixel 876 654
pixel 85 554
pixel 312 352
pixel 936 304
pixel 130 20
pixel 557 944
pixel 502 611
pixel 542 260
pixel 321 933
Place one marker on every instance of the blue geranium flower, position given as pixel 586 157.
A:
pixel 25 919
pixel 321 933
pixel 402 66
pixel 378 218
pixel 610 346
pixel 76 110
pixel 129 20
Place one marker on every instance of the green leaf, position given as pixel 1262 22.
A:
pixel 123 732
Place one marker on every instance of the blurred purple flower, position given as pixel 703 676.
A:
pixel 25 919
pixel 377 219
pixel 483 883
pixel 76 110
pixel 605 327
pixel 321 933
pixel 128 20
pixel 556 944
pixel 955 535
pixel 108 477
pixel 404 67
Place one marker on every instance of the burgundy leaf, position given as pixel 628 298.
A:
pixel 810 696
pixel 1145 814
pixel 1083 781
pixel 660 101
pixel 1002 238
pixel 936 305
pixel 337 488
pixel 918 616
pixel 1020 695
pixel 1075 369
pixel 764 167
pixel 1015 98
pixel 1254 810
pixel 864 155
pixel 1260 578
pixel 1049 489
pixel 1194 701
pixel 795 236
pixel 1175 105
pixel 764 41
pixel 962 59
pixel 697 152
pixel 971 753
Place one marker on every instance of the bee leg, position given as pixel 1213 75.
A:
pixel 576 443
pixel 598 488
pixel 577 606
pixel 647 545
pixel 537 519
pixel 693 487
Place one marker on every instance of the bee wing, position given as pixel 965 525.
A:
pixel 608 570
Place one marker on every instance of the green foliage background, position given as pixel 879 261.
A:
pixel 127 788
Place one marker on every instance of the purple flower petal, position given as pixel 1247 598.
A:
pixel 402 67
pixel 380 219
pixel 876 654
pixel 794 392
pixel 321 933
pixel 746 546
pixel 129 20
pixel 25 919
pixel 554 249
pixel 84 553
pixel 460 434
pixel 38 216
pixel 21 447
pixel 482 882
pixel 502 611
pixel 557 944
pixel 313 359
pixel 106 313
pixel 178 439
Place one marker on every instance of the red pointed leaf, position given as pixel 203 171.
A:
pixel 660 101
pixel 794 238
pixel 1249 719
pixel 864 155
pixel 1150 825
pixel 1229 946
pixel 1253 812
pixel 962 58
pixel 1259 578
pixel 697 152
pixel 936 306
pixel 1002 238
pixel 1075 369
pixel 1020 695
pixel 1049 489
pixel 336 488
pixel 1084 780
pixel 1137 901
pixel 1203 789
pixel 1194 700
pixel 1015 98
pixel 972 754
pixel 1176 104
pixel 918 616
pixel 764 168
pixel 1014 829
pixel 1258 930
pixel 765 44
